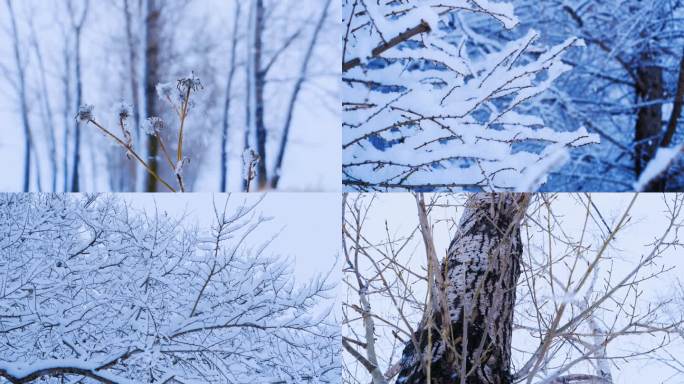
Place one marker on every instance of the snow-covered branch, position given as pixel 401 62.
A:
pixel 92 288
pixel 427 111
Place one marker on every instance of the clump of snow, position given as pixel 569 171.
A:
pixel 180 165
pixel 536 175
pixel 662 160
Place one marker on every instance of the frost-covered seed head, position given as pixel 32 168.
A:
pixel 165 90
pixel 153 125
pixel 85 113
pixel 191 82
pixel 123 110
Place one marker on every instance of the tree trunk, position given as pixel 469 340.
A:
pixel 76 162
pixel 152 50
pixel 248 93
pixel 259 84
pixel 129 174
pixel 480 275
pixel 229 95
pixel 66 113
pixel 48 119
pixel 660 183
pixel 650 117
pixel 77 29
pixel 277 169
pixel 23 103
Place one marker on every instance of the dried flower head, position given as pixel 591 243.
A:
pixel 153 125
pixel 123 110
pixel 165 90
pixel 85 113
pixel 191 82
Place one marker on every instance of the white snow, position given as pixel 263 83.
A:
pixel 660 162
pixel 471 125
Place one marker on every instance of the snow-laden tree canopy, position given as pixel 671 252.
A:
pixel 423 110
pixel 94 291
pixel 624 86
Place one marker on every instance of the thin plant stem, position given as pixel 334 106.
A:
pixel 180 182
pixel 168 159
pixel 184 114
pixel 164 151
pixel 130 150
pixel 174 106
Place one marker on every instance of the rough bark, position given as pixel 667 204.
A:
pixel 480 274
pixel 650 117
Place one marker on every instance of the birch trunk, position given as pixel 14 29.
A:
pixel 470 340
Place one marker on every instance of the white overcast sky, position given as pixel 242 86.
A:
pixel 310 222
